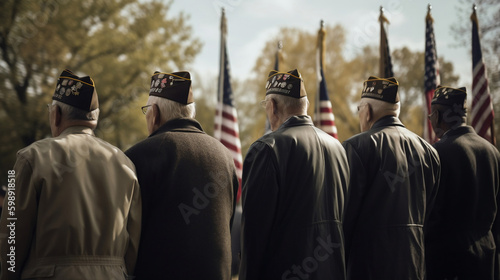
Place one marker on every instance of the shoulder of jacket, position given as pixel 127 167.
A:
pixel 36 146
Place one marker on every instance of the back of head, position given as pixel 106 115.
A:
pixel 75 114
pixel 290 106
pixel 382 108
pixel 173 110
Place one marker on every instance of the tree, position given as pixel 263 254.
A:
pixel 119 43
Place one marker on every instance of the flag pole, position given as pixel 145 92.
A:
pixel 277 59
pixel 385 64
pixel 220 89
pixel 381 63
pixel 278 55
pixel 319 62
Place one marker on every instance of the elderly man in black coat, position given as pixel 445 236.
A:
pixel 188 184
pixel 294 180
pixel 464 225
pixel 394 176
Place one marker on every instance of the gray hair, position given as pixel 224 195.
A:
pixel 382 107
pixel 72 113
pixel 290 105
pixel 172 110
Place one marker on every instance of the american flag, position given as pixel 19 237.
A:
pixel 226 120
pixel 385 65
pixel 432 79
pixel 323 117
pixel 482 108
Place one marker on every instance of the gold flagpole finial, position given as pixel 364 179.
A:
pixel 429 17
pixel 473 17
pixel 382 18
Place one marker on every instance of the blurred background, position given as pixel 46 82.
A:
pixel 120 43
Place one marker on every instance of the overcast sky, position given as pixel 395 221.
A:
pixel 251 23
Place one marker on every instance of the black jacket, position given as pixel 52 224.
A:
pixel 294 181
pixel 459 239
pixel 188 186
pixel 394 176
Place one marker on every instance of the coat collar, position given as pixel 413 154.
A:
pixel 297 121
pixel 387 121
pixel 179 125
pixel 77 130
pixel 458 131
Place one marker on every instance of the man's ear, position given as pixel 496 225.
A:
pixel 369 113
pixel 274 106
pixel 156 115
pixel 56 115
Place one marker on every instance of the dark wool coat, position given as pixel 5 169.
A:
pixel 459 238
pixel 394 176
pixel 188 185
pixel 294 181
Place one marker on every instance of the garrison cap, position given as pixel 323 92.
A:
pixel 384 89
pixel 450 96
pixel 173 86
pixel 76 91
pixel 286 83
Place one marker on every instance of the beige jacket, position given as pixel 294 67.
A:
pixel 77 211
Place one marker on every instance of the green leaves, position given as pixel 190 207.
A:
pixel 118 43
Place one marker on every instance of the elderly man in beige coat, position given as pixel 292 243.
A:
pixel 73 206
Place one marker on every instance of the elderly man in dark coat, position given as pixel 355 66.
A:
pixel 188 184
pixel 463 225
pixel 294 180
pixel 394 176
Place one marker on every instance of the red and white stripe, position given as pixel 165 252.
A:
pixel 326 118
pixel 482 107
pixel 227 132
